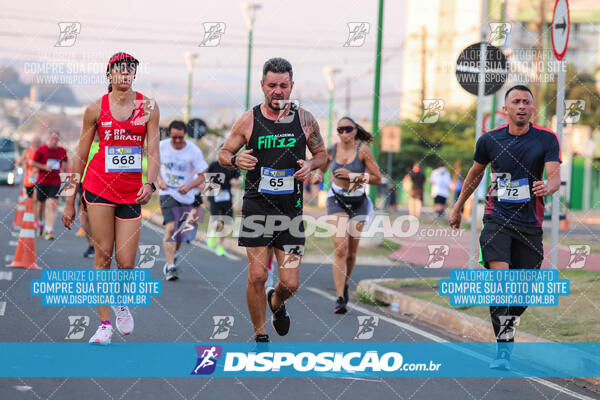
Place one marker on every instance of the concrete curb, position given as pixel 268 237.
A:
pixel 470 327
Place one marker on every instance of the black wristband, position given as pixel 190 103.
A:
pixel 233 160
pixel 152 185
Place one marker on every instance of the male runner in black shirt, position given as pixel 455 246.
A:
pixel 276 134
pixel 519 152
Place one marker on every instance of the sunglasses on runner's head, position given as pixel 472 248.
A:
pixel 345 129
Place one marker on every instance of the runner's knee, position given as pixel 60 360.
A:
pixel 340 249
pixel 257 275
pixel 290 285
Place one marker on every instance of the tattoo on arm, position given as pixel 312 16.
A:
pixel 310 125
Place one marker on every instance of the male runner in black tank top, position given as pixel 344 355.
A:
pixel 276 135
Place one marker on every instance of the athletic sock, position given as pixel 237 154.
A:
pixel 104 322
pixel 170 266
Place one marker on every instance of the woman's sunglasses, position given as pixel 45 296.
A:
pixel 345 129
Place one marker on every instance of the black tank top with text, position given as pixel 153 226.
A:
pixel 278 146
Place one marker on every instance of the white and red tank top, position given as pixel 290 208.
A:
pixel 115 172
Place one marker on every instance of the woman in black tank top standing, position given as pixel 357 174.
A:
pixel 353 167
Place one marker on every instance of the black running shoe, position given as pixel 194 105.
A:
pixel 340 306
pixel 262 338
pixel 346 296
pixel 171 274
pixel 280 318
pixel 89 252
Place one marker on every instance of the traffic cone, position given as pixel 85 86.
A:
pixel 20 207
pixel 25 253
pixel 468 209
pixel 563 224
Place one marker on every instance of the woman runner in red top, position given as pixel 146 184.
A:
pixel 113 192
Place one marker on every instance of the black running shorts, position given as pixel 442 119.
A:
pixel 519 246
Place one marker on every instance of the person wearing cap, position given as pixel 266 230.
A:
pixel 113 191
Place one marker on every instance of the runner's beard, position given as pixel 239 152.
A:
pixel 274 104
pixel 521 123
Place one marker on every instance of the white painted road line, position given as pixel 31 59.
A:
pixel 12 242
pixel 6 275
pixel 8 258
pixel 15 234
pixel 2 307
pixel 438 339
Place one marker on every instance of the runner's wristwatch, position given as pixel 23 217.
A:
pixel 152 185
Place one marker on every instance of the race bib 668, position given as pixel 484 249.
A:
pixel 123 159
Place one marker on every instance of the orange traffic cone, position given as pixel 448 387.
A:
pixel 468 209
pixel 20 208
pixel 563 224
pixel 25 253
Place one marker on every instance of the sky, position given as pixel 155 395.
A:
pixel 309 33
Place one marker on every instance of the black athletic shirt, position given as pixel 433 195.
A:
pixel 523 157
pixel 277 146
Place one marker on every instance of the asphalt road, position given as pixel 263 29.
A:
pixel 210 285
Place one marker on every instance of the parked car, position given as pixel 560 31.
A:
pixel 10 173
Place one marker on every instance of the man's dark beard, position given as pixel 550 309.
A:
pixel 272 104
pixel 521 123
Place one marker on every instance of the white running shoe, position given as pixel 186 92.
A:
pixel 124 320
pixel 102 335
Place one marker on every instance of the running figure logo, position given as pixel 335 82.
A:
pixel 148 254
pixel 77 325
pixel 437 255
pixel 357 33
pixel 207 359
pixel 223 324
pixel 495 189
pixel 579 254
pixel 432 108
pixel 293 255
pixel 573 110
pixel 214 181
pixel 142 110
pixel 507 327
pixel 67 183
pixel 499 34
pixel 357 181
pixel 68 32
pixel 212 34
pixel 187 224
pixel 366 326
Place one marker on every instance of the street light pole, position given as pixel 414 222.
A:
pixel 375 130
pixel 190 59
pixel 250 12
pixel 329 74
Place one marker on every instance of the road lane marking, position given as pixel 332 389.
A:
pixel 2 307
pixel 6 275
